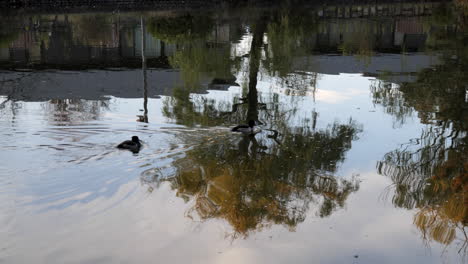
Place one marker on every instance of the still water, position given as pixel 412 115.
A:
pixel 361 157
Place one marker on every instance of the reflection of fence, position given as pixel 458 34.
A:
pixel 330 8
pixel 350 9
pixel 122 4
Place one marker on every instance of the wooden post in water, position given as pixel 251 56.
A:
pixel 143 67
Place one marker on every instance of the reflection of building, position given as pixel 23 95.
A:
pixel 24 48
pixel 221 34
pixel 76 43
pixel 377 35
pixel 409 34
pixel 352 9
pixel 109 5
pixel 76 40
pixel 382 26
pixel 131 44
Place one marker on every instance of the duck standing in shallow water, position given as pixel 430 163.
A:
pixel 246 129
pixel 133 145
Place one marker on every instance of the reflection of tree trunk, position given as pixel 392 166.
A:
pixel 249 143
pixel 163 49
pixel 254 65
pixel 143 67
pixel 314 119
pixel 43 52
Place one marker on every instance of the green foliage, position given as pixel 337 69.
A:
pixel 287 39
pixel 184 109
pixel 196 60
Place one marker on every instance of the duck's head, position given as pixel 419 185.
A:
pixel 251 123
pixel 135 139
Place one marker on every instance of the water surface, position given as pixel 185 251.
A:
pixel 361 158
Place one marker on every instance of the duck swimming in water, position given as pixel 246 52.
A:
pixel 246 129
pixel 133 145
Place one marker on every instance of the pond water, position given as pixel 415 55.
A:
pixel 361 154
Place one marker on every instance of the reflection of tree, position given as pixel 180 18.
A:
pixel 432 176
pixel 362 42
pixel 288 39
pixel 253 183
pixel 256 181
pixel 181 29
pixel 390 97
pixel 430 173
pixel 95 30
pixel 197 60
pixel 190 110
pixel 60 41
pixel 72 111
pixel 194 57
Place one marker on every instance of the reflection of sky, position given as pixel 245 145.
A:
pixel 149 228
pixel 339 98
pixel 78 200
pixel 60 165
pixel 243 47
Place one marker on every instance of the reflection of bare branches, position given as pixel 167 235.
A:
pixel 391 99
pixel 421 155
pixel 74 110
pixel 438 227
pixel 297 84
pixel 428 174
pixel 464 246
pixel 3 104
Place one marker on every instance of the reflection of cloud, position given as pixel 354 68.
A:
pixel 237 255
pixel 328 96
pixel 334 97
pixel 243 47
pixel 336 89
pixel 327 88
pixel 154 229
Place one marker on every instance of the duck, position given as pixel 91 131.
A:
pixel 246 129
pixel 133 145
